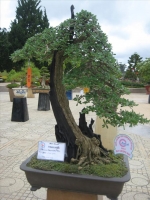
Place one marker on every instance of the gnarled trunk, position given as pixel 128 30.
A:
pixel 66 129
pixel 80 148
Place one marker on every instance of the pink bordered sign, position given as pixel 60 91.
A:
pixel 123 145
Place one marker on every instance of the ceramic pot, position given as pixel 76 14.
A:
pixel 20 92
pixel 110 187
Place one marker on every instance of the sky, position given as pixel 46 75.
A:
pixel 125 22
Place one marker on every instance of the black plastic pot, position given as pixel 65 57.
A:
pixel 110 187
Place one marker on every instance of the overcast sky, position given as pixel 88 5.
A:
pixel 126 22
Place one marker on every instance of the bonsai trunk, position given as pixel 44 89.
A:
pixel 78 145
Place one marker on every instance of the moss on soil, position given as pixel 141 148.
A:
pixel 117 169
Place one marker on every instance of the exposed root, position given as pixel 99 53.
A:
pixel 89 152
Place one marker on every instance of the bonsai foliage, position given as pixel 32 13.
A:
pixel 12 85
pixel 144 70
pixel 81 42
pixel 11 76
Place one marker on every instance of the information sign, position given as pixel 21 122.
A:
pixel 51 151
pixel 124 145
pixel 29 77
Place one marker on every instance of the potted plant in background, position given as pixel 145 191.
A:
pixel 35 75
pixel 93 66
pixel 43 90
pixel 17 89
pixel 43 85
pixel 11 78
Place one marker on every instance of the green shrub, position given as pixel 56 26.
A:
pixel 131 84
pixel 12 85
pixel 4 78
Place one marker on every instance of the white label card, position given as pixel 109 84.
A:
pixel 51 151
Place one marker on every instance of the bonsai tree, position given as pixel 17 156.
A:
pixel 81 42
pixel 144 70
pixel 35 73
pixel 20 76
pixel 45 74
pixel 11 77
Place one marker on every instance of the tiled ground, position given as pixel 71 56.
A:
pixel 18 140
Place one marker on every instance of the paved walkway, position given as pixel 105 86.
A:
pixel 19 140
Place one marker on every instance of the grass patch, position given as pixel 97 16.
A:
pixel 117 169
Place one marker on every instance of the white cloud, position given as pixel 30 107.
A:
pixel 7 12
pixel 126 22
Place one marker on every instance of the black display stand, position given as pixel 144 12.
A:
pixel 44 102
pixel 149 99
pixel 19 110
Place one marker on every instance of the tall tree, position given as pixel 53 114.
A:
pixel 132 70
pixel 94 66
pixel 144 70
pixel 4 50
pixel 133 61
pixel 30 20
pixel 122 68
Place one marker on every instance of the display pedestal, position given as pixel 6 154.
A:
pixel 67 195
pixel 69 94
pixel 19 110
pixel 107 134
pixel 43 102
pixel 30 93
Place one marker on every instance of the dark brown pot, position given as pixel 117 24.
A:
pixel 147 87
pixel 40 90
pixel 110 187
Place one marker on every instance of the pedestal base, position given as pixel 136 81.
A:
pixel 30 93
pixel 107 134
pixel 66 195
pixel 19 110
pixel 43 102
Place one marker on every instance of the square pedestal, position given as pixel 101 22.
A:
pixel 67 195
pixel 19 110
pixel 43 102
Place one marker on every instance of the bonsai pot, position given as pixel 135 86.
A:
pixel 40 90
pixel 111 187
pixel 11 94
pixel 20 92
pixel 147 87
pixel 10 90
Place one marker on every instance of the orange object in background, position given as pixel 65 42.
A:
pixel 29 77
pixel 86 90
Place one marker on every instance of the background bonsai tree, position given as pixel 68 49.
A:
pixel 81 42
pixel 20 76
pixel 11 77
pixel 45 75
pixel 34 76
